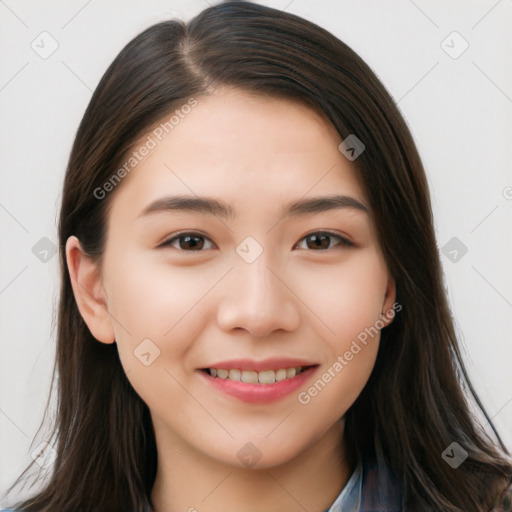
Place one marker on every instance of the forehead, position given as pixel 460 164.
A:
pixel 243 126
pixel 249 149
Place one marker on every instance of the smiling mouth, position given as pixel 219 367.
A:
pixel 254 377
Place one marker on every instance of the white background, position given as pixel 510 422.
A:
pixel 459 111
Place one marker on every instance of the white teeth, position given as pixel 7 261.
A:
pixel 267 377
pixel 249 377
pixel 290 373
pixel 235 375
pixel 252 377
pixel 280 375
pixel 222 374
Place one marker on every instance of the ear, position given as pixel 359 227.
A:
pixel 89 293
pixel 389 306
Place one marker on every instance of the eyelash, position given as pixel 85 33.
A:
pixel 344 242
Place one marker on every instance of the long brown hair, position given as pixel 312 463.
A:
pixel 413 406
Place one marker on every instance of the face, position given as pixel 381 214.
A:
pixel 271 269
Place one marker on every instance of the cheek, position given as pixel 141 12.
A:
pixel 348 300
pixel 352 354
pixel 158 312
pixel 155 301
pixel 347 297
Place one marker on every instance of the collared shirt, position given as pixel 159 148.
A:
pixel 369 489
pixel 349 500
pixel 376 489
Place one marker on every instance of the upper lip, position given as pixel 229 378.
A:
pixel 274 363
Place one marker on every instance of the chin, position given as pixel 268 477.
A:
pixel 258 454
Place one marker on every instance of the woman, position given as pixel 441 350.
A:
pixel 252 311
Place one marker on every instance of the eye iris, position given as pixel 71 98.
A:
pixel 193 242
pixel 319 241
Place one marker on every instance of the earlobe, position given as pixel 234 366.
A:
pixel 389 308
pixel 88 290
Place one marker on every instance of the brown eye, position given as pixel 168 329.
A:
pixel 189 242
pixel 321 240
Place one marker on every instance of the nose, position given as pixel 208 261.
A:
pixel 258 300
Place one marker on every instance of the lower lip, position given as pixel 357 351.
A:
pixel 259 393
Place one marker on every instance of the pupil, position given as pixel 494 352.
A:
pixel 321 241
pixel 192 242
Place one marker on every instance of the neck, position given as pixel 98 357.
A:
pixel 189 480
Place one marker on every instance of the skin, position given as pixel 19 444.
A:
pixel 199 307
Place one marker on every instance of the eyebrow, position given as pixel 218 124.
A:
pixel 212 206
